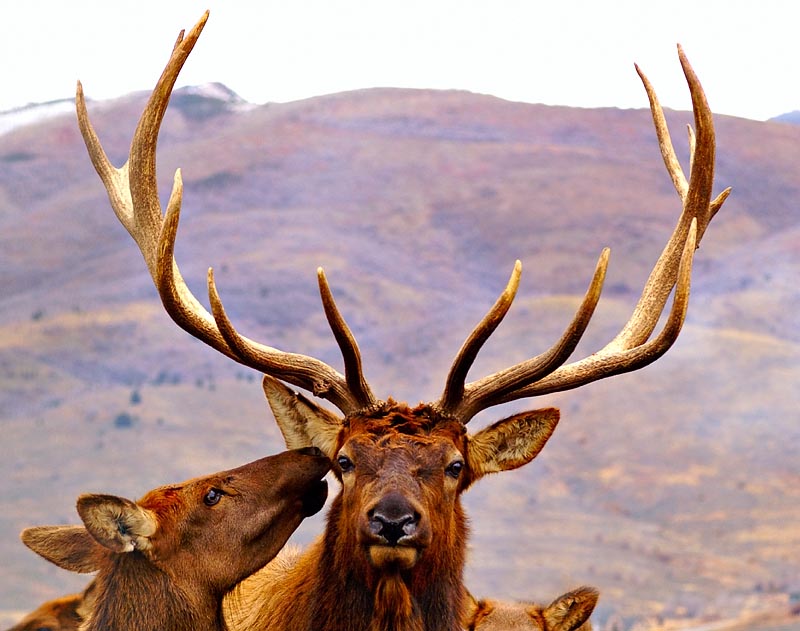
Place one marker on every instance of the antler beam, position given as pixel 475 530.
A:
pixel 632 348
pixel 133 193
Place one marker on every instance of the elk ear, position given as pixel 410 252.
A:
pixel 302 422
pixel 471 609
pixel 568 612
pixel 68 547
pixel 87 601
pixel 117 523
pixel 476 613
pixel 510 443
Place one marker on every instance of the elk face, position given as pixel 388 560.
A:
pixel 403 470
pixel 207 533
pixel 400 484
pixel 236 520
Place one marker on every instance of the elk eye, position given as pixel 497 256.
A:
pixel 454 468
pixel 345 464
pixel 212 497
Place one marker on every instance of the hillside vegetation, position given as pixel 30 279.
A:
pixel 675 490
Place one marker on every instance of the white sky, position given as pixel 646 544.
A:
pixel 577 53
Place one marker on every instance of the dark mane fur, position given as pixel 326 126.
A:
pixel 428 594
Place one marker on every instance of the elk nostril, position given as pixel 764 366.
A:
pixel 311 451
pixel 410 525
pixel 393 517
pixel 392 530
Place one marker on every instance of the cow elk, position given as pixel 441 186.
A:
pixel 392 553
pixel 60 614
pixel 569 612
pixel 164 562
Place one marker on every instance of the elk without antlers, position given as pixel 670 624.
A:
pixel 393 551
pixel 568 612
pixel 60 614
pixel 165 561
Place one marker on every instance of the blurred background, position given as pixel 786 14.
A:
pixel 416 184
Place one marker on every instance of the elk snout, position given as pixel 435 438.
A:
pixel 311 451
pixel 393 518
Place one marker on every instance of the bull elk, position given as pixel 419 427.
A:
pixel 392 553
pixel 568 612
pixel 165 561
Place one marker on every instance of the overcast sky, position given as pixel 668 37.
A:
pixel 558 52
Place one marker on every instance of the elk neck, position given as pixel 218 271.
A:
pixel 143 597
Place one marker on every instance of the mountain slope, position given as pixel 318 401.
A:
pixel 673 489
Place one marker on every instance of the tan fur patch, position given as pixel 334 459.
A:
pixel 400 557
pixel 500 616
pixel 302 422
pixel 511 442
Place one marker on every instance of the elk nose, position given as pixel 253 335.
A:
pixel 393 518
pixel 310 451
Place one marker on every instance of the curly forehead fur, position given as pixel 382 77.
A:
pixel 394 417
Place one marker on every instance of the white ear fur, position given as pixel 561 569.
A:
pixel 117 523
pixel 512 442
pixel 302 422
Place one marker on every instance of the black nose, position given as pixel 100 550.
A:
pixel 310 451
pixel 393 518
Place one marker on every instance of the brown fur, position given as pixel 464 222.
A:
pixel 393 550
pixel 60 614
pixel 569 612
pixel 164 563
pixel 354 578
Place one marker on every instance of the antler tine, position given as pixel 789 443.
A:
pixel 696 198
pixel 456 378
pixel 354 375
pixel 133 193
pixel 464 402
pixel 606 362
pixel 630 349
pixel 302 371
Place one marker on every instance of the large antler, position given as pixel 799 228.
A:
pixel 632 348
pixel 133 193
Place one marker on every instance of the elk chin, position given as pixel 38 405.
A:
pixel 393 557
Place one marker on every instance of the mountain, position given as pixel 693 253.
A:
pixel 34 113
pixel 202 101
pixel 673 489
pixel 789 117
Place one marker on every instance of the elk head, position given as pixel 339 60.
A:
pixel 201 536
pixel 568 612
pixel 403 468
pixel 60 614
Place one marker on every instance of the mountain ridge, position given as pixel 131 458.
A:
pixel 417 203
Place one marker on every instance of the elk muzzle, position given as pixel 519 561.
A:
pixel 395 532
